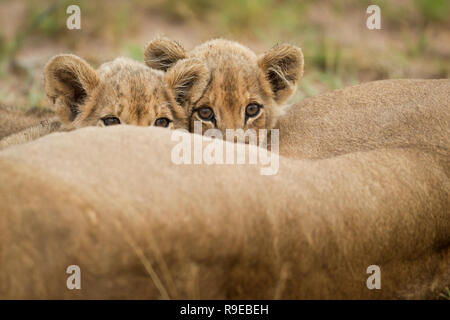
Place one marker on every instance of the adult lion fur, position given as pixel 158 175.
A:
pixel 112 202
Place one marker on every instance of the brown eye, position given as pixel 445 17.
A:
pixel 205 113
pixel 252 110
pixel 110 120
pixel 162 122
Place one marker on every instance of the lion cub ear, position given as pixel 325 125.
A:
pixel 283 68
pixel 69 80
pixel 187 80
pixel 162 53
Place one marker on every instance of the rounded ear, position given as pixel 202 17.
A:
pixel 162 53
pixel 69 80
pixel 283 68
pixel 187 80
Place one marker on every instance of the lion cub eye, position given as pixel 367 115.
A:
pixel 162 122
pixel 252 110
pixel 110 120
pixel 205 113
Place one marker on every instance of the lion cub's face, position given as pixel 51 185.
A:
pixel 122 91
pixel 245 91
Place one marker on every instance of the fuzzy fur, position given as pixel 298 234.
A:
pixel 142 227
pixel 379 114
pixel 238 77
pixel 13 119
pixel 126 89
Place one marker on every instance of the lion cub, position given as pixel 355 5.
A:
pixel 122 91
pixel 245 91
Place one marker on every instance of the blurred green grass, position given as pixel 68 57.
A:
pixel 445 294
pixel 334 56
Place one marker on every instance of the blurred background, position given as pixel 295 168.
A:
pixel 414 40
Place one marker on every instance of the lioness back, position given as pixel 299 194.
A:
pixel 379 114
pixel 13 120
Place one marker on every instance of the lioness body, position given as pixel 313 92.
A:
pixel 13 120
pixel 34 132
pixel 140 226
pixel 380 114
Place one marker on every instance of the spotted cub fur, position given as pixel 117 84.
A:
pixel 122 91
pixel 244 90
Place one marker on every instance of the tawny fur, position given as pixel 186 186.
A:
pixel 389 113
pixel 123 88
pixel 34 132
pixel 13 119
pixel 380 114
pixel 238 77
pixel 140 226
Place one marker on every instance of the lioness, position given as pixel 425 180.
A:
pixel 14 119
pixel 140 226
pixel 120 91
pixel 379 114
